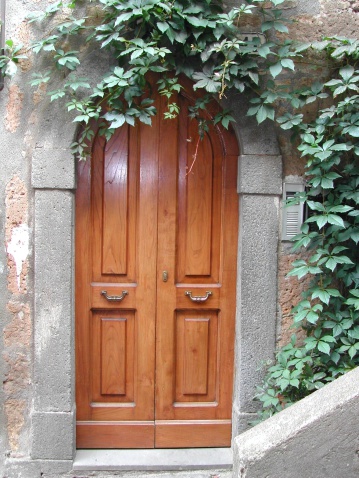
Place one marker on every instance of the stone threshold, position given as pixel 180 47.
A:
pixel 154 459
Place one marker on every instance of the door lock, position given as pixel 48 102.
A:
pixel 165 276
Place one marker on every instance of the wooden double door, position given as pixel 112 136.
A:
pixel 156 241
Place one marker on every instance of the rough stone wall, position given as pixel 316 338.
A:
pixel 289 291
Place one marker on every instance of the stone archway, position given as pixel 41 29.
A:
pixel 53 181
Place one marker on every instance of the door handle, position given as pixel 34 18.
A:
pixel 114 297
pixel 198 298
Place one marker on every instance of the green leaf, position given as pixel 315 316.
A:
pixel 346 72
pixel 354 302
pixel 336 220
pixel 341 208
pixel 162 26
pixel 322 295
pixel 116 119
pixel 123 17
pixel 288 63
pixel 312 317
pixel 54 95
pixel 264 50
pixel 331 264
pixel 315 206
pixel 210 85
pixel 276 69
pixel 197 22
pixel 354 334
pixel 326 183
pixel 324 347
pixel 264 112
pixel 340 147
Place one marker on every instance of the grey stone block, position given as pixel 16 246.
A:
pixel 253 139
pixel 54 468
pixel 53 436
pixel 316 437
pixel 259 174
pixel 55 127
pixel 256 294
pixel 53 318
pixel 241 421
pixel 258 139
pixel 53 168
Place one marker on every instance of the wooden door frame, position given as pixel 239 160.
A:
pixel 53 182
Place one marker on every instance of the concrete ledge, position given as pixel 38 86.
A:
pixel 316 437
pixel 18 468
pixel 149 460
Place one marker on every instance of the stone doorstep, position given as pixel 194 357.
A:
pixel 154 460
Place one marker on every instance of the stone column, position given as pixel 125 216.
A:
pixel 260 189
pixel 53 178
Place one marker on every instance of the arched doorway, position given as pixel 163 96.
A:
pixel 156 248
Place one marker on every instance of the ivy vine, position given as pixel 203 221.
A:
pixel 329 310
pixel 202 40
pixel 198 39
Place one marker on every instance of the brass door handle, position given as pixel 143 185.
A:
pixel 198 298
pixel 114 297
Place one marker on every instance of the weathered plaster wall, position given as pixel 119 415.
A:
pixel 17 332
pixel 15 275
pixel 16 267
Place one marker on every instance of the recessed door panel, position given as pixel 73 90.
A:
pixel 113 354
pixel 115 205
pixel 196 356
pixel 115 196
pixel 199 204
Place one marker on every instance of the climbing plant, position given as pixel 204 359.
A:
pixel 198 39
pixel 204 41
pixel 329 310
